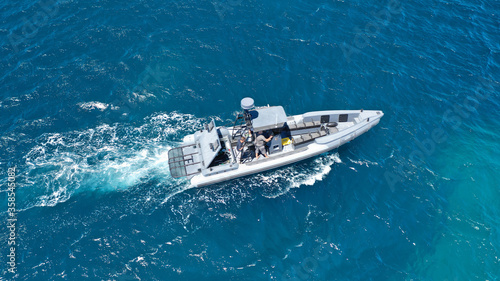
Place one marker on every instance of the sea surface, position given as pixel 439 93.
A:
pixel 93 94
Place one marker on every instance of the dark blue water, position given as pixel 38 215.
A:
pixel 94 94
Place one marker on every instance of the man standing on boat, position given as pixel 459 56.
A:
pixel 260 145
pixel 240 147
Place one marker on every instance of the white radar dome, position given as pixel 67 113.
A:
pixel 247 103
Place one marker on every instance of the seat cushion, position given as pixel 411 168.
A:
pixel 315 135
pixel 306 137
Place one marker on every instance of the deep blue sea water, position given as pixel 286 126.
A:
pixel 94 93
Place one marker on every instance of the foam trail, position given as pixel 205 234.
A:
pixel 102 159
pixel 280 181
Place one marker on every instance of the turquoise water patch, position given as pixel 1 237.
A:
pixel 468 245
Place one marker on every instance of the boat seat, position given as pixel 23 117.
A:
pixel 315 135
pixel 322 133
pixel 309 124
pixel 303 125
pixel 306 137
pixel 298 139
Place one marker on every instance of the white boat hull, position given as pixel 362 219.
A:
pixel 366 121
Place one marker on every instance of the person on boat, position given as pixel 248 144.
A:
pixel 239 149
pixel 260 145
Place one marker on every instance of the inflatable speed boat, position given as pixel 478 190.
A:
pixel 213 155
